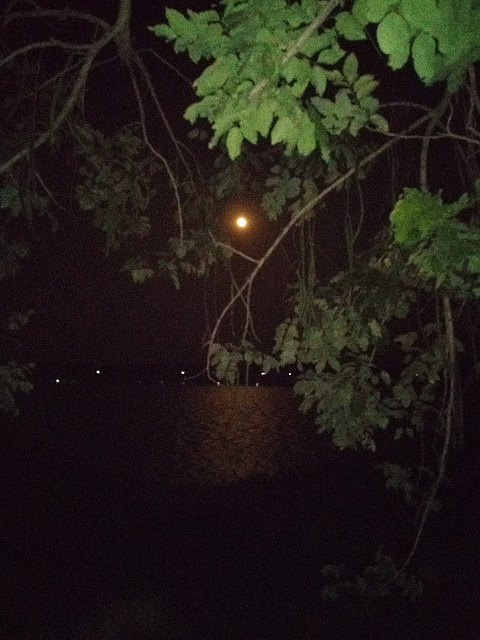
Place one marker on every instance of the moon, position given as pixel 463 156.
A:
pixel 241 222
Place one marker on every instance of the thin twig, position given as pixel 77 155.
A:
pixel 448 428
pixel 167 64
pixel 473 88
pixel 437 114
pixel 437 136
pixel 96 47
pixel 158 155
pixel 45 44
pixel 163 117
pixel 229 247
pixel 60 14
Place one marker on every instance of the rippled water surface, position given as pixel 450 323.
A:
pixel 191 513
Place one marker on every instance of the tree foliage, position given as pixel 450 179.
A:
pixel 377 348
pixel 58 161
pixel 299 100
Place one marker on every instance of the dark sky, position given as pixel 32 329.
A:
pixel 86 311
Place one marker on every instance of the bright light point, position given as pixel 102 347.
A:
pixel 182 372
pixel 289 373
pixel 241 222
pixel 97 371
pixel 264 373
pixel 57 381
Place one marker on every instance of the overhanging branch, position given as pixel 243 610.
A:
pixel 120 25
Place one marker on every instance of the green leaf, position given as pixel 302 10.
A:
pixel 182 27
pixel 297 69
pixel 206 16
pixel 319 79
pixel 350 68
pixel 423 15
pixel 393 36
pixel 375 328
pixel 331 56
pixel 191 113
pixel 407 340
pixel 321 133
pixel 264 36
pixel 360 11
pixel 284 131
pixel 417 214
pixel 379 122
pixel 163 31
pixel 349 27
pixel 473 264
pixel 216 75
pixel 364 86
pixel 317 42
pixel 343 105
pixel 234 142
pixel 385 377
pixel 325 106
pixel 293 187
pixel 369 104
pixel 141 274
pixel 264 116
pixel 377 9
pixel 306 137
pixel 404 395
pixel 424 57
pixel 269 363
pixel 248 125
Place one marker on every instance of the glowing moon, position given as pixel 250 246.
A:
pixel 241 222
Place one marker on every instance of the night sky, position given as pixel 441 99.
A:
pixel 86 311
pixel 89 313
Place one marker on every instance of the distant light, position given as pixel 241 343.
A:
pixel 57 380
pixel 264 373
pixel 289 373
pixel 182 372
pixel 97 371
pixel 241 222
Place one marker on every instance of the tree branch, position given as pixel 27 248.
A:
pixel 293 50
pixel 39 45
pixel 60 14
pixel 121 23
pixel 228 247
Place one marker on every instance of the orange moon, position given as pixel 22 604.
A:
pixel 241 222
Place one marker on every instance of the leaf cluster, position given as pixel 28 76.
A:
pixel 441 36
pixel 383 579
pixel 443 249
pixel 226 361
pixel 360 373
pixel 115 183
pixel 13 379
pixel 194 254
pixel 268 78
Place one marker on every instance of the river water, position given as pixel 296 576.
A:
pixel 142 513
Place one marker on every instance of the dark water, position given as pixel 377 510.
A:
pixel 202 512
